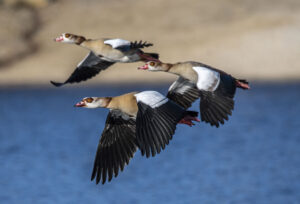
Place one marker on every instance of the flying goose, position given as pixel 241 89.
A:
pixel 215 88
pixel 103 53
pixel 146 120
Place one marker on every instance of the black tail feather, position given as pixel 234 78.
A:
pixel 191 113
pixel 243 81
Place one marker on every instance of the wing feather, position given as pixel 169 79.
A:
pixel 89 67
pixel 215 108
pixel 183 92
pixel 166 117
pixel 116 147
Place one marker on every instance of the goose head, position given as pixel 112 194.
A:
pixel 69 38
pixel 155 66
pixel 94 102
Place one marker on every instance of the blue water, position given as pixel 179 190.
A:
pixel 47 149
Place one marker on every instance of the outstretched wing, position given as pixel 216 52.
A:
pixel 89 67
pixel 156 121
pixel 116 146
pixel 183 92
pixel 216 106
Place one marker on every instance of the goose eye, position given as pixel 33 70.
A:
pixel 89 100
pixel 152 64
pixel 67 35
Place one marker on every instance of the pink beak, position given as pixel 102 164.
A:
pixel 145 67
pixel 79 104
pixel 59 39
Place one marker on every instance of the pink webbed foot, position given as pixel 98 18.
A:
pixel 188 120
pixel 242 85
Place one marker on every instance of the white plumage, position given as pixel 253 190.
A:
pixel 151 98
pixel 117 42
pixel 208 80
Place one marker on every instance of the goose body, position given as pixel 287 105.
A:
pixel 103 53
pixel 113 50
pixel 214 87
pixel 146 120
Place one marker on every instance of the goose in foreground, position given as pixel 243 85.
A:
pixel 215 88
pixel 103 53
pixel 146 120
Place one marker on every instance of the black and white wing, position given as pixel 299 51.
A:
pixel 125 45
pixel 89 67
pixel 156 121
pixel 116 147
pixel 217 90
pixel 183 92
pixel 120 44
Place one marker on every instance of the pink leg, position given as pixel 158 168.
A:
pixel 242 85
pixel 188 120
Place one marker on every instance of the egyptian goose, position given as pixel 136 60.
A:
pixel 146 120
pixel 103 53
pixel 215 88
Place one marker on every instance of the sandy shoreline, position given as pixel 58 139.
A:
pixel 249 40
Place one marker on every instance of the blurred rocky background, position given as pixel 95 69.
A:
pixel 254 39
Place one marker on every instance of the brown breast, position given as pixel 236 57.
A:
pixel 100 48
pixel 126 103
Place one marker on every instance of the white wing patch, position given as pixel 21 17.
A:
pixel 151 98
pixel 117 42
pixel 208 80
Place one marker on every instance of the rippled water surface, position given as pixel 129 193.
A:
pixel 47 148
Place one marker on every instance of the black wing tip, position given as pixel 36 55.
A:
pixel 57 84
pixel 98 181
pixel 140 44
pixel 93 175
pixel 216 109
pixel 212 123
pixel 149 154
pixel 148 44
pixel 215 122
pixel 102 181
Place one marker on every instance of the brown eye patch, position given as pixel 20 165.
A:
pixel 89 100
pixel 152 63
pixel 67 35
